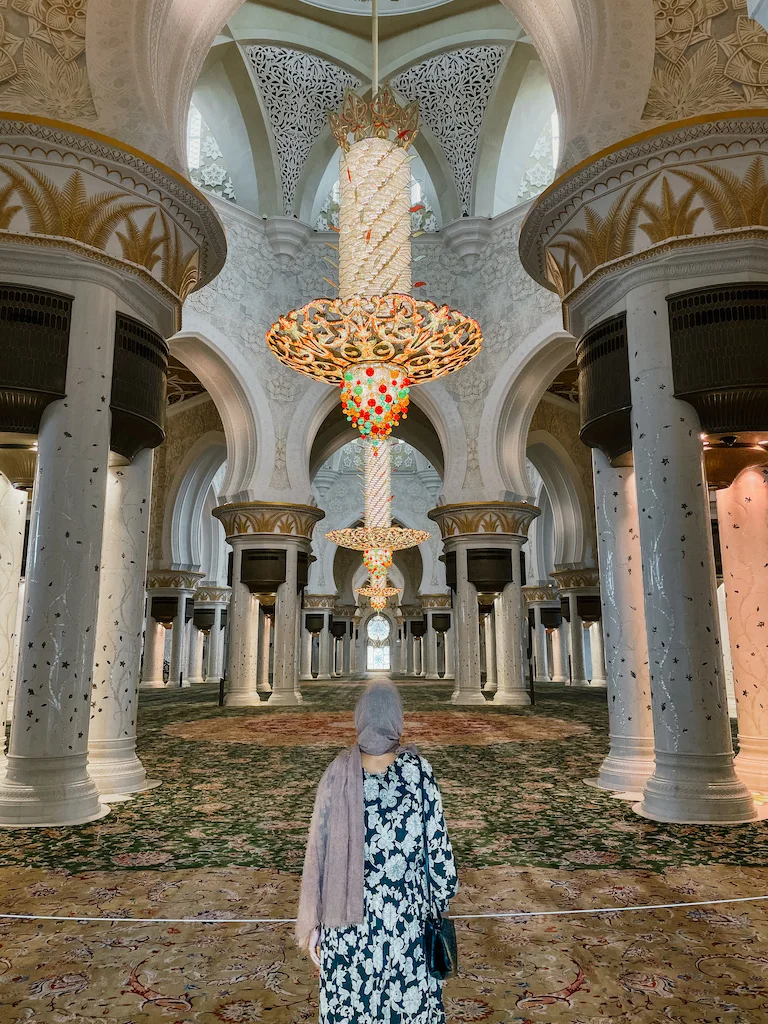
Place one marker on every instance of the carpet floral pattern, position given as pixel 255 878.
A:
pixel 223 838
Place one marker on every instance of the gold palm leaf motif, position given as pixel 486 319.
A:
pixel 673 216
pixel 7 212
pixel 68 212
pixel 179 273
pixel 732 202
pixel 138 244
pixel 608 238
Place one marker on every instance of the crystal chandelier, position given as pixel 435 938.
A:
pixel 375 341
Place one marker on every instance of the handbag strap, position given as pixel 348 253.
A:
pixel 424 835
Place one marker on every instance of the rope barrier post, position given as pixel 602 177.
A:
pixel 222 682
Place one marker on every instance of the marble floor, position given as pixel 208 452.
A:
pixel 222 840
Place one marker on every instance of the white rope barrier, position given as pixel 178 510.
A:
pixel 454 917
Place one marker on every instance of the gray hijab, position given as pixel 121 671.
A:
pixel 334 865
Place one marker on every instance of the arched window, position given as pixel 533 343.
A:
pixel 378 649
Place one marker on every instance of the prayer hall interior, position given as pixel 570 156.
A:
pixel 421 340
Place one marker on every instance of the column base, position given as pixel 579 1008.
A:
pixel 598 684
pixel 115 768
pixel 242 699
pixel 209 680
pixel 582 684
pixel 468 697
pixel 432 675
pixel 158 684
pixel 307 679
pixel 287 698
pixel 516 699
pixel 319 677
pixel 184 685
pixel 696 789
pixel 559 679
pixel 490 688
pixel 54 791
pixel 196 681
pixel 543 679
pixel 628 765
pixel 751 763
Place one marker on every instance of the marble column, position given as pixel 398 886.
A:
pixel 285 680
pixel 510 675
pixel 195 654
pixel 112 760
pixel 410 664
pixel 354 668
pixel 211 597
pixel 539 647
pixel 13 518
pixel 694 778
pixel 265 652
pixel 450 655
pixel 560 653
pixel 489 634
pixel 306 651
pixel 47 781
pixel 468 689
pixel 324 665
pixel 575 582
pixel 598 677
pixel 176 672
pixel 539 597
pixel 154 651
pixel 244 609
pixel 430 648
pixel 629 762
pixel 346 664
pixel 742 511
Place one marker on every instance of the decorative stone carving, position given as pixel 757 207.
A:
pixel 586 581
pixel 212 595
pixel 345 611
pixel 452 90
pixel 435 600
pixel 467 236
pixel 541 594
pixel 173 579
pixel 676 186
pixel 206 161
pixel 287 236
pixel 268 517
pixel 298 90
pixel 487 517
pixel 68 188
pixel 319 600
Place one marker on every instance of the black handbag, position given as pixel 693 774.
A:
pixel 439 932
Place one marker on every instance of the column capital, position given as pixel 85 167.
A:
pixel 253 518
pixel 541 594
pixel 486 518
pixel 583 581
pixel 131 209
pixel 323 601
pixel 672 189
pixel 344 611
pixel 212 595
pixel 173 579
pixel 431 601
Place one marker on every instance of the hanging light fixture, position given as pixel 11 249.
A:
pixel 375 341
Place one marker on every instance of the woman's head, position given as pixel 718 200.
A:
pixel 379 719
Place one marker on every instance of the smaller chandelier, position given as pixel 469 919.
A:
pixel 384 592
pixel 394 538
pixel 378 602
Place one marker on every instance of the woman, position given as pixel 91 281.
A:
pixel 363 899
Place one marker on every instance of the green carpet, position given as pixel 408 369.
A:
pixel 521 803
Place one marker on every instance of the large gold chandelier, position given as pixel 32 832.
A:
pixel 376 340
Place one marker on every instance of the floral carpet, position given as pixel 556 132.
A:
pixel 222 838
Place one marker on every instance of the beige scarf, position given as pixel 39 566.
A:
pixel 334 865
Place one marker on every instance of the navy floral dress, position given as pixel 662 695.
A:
pixel 376 972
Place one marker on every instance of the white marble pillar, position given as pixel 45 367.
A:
pixel 353 653
pixel 430 649
pixel 576 637
pixel 265 653
pixel 410 665
pixel 195 656
pixel 214 666
pixel 285 676
pixel 190 651
pixel 47 781
pixel 419 657
pixel 13 518
pixel 742 511
pixel 450 654
pixel 112 760
pixel 177 663
pixel 560 654
pixel 539 647
pixel 598 677
pixel 694 778
pixel 467 620
pixel 243 618
pixel 510 673
pixel 489 634
pixel 629 762
pixel 346 664
pixel 154 650
pixel 306 652
pixel 324 664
